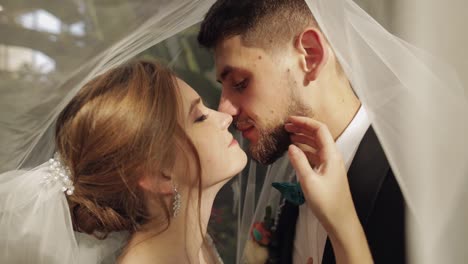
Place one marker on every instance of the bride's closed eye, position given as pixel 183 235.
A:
pixel 201 118
pixel 196 108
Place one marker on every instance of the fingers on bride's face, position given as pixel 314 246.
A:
pixel 220 155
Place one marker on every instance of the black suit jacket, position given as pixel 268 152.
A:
pixel 379 205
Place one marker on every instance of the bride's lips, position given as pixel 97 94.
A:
pixel 233 142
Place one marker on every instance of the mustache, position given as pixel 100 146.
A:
pixel 243 123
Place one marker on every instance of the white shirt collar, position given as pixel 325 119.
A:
pixel 310 235
pixel 350 139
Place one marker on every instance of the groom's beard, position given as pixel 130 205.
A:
pixel 274 141
pixel 271 145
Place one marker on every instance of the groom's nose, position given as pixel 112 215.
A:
pixel 227 106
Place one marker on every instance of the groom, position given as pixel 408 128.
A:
pixel 273 61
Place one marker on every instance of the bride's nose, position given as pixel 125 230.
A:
pixel 226 120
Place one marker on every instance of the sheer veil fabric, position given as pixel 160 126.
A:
pixel 36 224
pixel 416 105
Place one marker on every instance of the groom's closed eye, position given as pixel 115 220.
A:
pixel 240 86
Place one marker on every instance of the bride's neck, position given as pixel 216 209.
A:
pixel 184 238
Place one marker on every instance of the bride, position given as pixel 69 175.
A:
pixel 139 160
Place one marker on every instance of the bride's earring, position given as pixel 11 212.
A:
pixel 176 203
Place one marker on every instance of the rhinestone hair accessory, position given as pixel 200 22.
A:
pixel 59 173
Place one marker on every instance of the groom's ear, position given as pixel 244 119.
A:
pixel 312 50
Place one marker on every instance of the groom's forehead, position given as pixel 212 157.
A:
pixel 228 48
pixel 233 48
pixel 232 56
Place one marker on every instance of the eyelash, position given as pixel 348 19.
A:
pixel 241 85
pixel 201 118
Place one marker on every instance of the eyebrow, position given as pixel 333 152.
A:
pixel 226 71
pixel 194 103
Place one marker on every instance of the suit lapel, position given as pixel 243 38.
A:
pixel 365 176
pixel 283 241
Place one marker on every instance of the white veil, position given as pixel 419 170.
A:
pixel 420 114
pixel 416 105
pixel 419 111
pixel 36 226
pixel 26 129
pixel 35 222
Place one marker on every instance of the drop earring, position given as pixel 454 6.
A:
pixel 176 204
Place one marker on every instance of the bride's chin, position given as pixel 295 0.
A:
pixel 219 183
pixel 233 168
pixel 242 161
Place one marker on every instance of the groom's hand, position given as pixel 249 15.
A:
pixel 321 172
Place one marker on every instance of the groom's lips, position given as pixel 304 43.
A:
pixel 247 132
pixel 247 128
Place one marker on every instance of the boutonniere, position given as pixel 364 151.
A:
pixel 263 240
pixel 256 248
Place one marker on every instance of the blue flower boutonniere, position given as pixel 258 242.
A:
pixel 256 249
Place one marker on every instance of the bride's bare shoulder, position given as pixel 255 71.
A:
pixel 144 250
pixel 138 255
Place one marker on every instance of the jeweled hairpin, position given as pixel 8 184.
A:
pixel 59 173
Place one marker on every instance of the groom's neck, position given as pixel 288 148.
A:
pixel 338 106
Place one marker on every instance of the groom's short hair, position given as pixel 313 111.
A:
pixel 260 23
